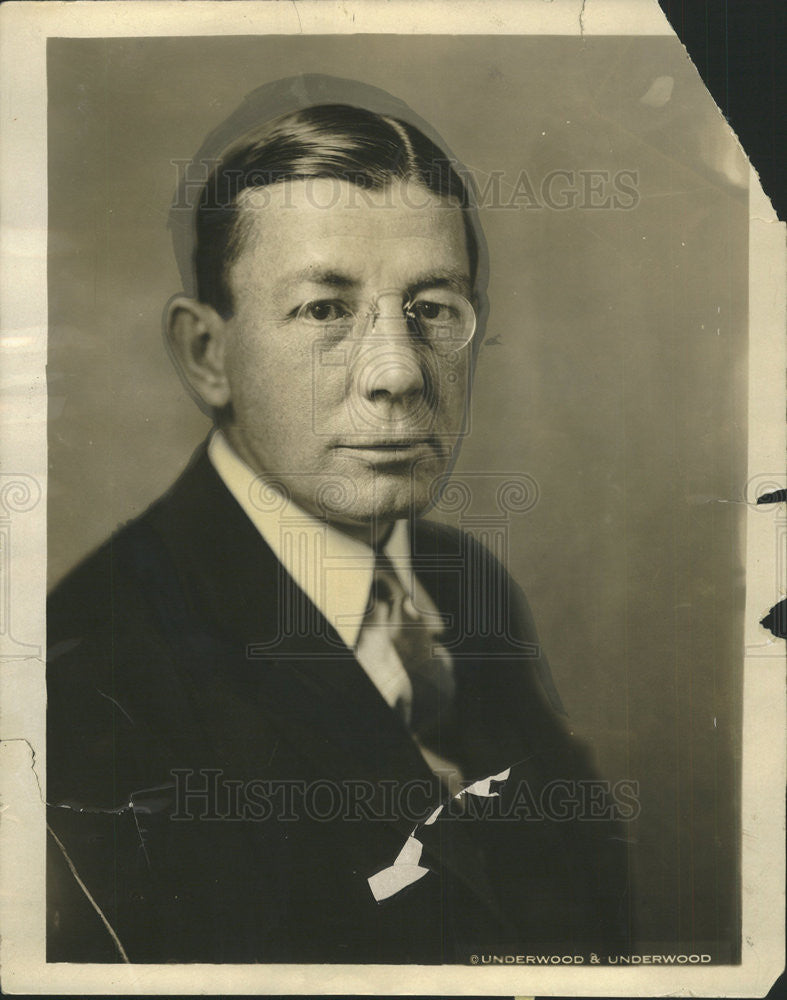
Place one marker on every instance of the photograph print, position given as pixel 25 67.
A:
pixel 390 378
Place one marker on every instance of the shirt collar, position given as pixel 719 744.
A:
pixel 334 570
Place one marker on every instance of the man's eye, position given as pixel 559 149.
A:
pixel 325 311
pixel 432 311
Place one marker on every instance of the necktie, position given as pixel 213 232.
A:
pixel 428 712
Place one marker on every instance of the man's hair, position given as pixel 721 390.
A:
pixel 329 140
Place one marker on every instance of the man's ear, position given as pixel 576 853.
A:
pixel 197 339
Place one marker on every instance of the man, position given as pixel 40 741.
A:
pixel 289 720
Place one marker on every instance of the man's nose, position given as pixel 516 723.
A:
pixel 390 365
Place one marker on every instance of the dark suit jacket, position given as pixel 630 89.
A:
pixel 177 662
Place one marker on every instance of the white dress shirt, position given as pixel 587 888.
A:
pixel 334 570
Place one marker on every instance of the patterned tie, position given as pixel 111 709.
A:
pixel 429 714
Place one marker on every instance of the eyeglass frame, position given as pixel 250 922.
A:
pixel 368 312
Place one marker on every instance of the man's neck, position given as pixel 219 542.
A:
pixel 373 533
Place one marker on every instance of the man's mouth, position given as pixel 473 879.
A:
pixel 390 449
pixel 393 443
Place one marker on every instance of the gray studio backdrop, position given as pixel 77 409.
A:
pixel 612 383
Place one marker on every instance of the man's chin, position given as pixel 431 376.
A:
pixel 379 503
pixel 378 514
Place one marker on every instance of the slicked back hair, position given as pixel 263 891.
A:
pixel 336 141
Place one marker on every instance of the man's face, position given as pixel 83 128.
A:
pixel 356 428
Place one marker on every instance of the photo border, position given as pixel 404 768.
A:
pixel 23 455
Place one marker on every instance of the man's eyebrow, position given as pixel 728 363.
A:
pixel 449 277
pixel 322 276
pixel 444 278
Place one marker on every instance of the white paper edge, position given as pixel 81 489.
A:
pixel 23 317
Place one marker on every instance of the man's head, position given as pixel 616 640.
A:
pixel 333 330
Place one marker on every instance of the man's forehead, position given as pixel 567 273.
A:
pixel 329 207
pixel 299 233
pixel 347 275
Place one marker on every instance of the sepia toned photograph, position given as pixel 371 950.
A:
pixel 399 469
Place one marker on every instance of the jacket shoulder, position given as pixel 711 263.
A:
pixel 437 538
pixel 113 624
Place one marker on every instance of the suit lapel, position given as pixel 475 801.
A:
pixel 278 642
pixel 509 710
pixel 287 672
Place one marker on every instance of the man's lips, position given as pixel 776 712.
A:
pixel 389 448
pixel 395 443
